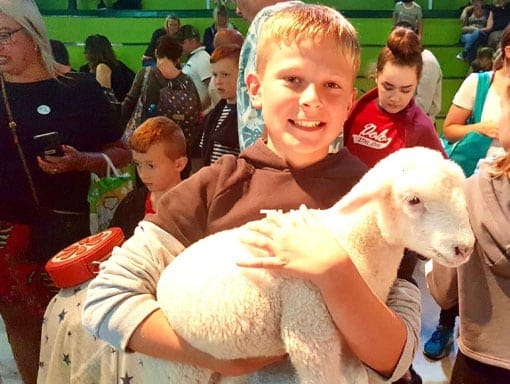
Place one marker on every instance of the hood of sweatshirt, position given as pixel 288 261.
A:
pixel 489 209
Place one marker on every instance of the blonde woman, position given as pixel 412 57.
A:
pixel 43 198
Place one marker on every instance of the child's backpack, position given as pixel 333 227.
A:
pixel 179 101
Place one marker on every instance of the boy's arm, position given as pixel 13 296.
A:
pixel 123 294
pixel 385 340
pixel 121 306
pixel 384 336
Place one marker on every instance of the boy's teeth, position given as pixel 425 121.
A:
pixel 307 123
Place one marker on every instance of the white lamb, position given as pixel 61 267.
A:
pixel 413 198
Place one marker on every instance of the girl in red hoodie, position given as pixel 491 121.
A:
pixel 386 118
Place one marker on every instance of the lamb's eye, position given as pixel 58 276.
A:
pixel 413 200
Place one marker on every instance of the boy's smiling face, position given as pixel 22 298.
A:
pixel 306 92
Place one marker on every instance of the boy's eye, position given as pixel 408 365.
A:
pixel 388 87
pixel 332 85
pixel 292 79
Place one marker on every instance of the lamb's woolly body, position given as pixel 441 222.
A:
pixel 231 312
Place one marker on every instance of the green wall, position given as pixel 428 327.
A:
pixel 201 4
pixel 130 31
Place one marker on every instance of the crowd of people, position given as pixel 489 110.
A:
pixel 240 118
pixel 482 25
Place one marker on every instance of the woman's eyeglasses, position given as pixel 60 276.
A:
pixel 6 37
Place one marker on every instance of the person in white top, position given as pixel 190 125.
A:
pixel 455 126
pixel 197 67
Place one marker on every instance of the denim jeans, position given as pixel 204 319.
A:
pixel 470 42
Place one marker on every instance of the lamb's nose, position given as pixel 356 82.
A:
pixel 462 251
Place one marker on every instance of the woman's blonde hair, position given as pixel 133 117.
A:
pixel 501 166
pixel 309 22
pixel 26 13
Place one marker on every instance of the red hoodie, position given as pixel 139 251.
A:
pixel 371 133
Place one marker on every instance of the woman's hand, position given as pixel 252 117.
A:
pixel 296 245
pixel 72 160
pixel 488 128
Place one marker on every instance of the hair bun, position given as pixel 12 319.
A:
pixel 403 42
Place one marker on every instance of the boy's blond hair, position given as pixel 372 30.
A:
pixel 308 22
pixel 159 129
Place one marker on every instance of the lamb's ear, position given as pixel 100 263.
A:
pixel 361 195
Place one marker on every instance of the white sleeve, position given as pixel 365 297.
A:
pixel 465 96
pixel 204 69
pixel 123 294
pixel 428 92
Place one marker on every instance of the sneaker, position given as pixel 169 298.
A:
pixel 461 56
pixel 439 344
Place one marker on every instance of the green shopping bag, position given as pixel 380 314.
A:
pixel 106 193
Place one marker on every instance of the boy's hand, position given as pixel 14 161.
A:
pixel 294 245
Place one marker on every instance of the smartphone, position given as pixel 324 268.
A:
pixel 48 144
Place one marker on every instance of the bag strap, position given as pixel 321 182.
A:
pixel 145 82
pixel 110 167
pixel 13 127
pixel 482 88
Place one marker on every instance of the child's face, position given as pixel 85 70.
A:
pixel 225 78
pixel 396 85
pixel 306 93
pixel 156 170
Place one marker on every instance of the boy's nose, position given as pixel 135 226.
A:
pixel 310 98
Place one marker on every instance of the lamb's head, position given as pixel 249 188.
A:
pixel 418 197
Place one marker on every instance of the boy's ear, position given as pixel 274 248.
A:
pixel 253 85
pixel 353 99
pixel 181 162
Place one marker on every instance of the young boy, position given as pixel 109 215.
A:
pixel 220 126
pixel 308 58
pixel 158 148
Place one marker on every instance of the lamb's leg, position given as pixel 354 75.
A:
pixel 310 337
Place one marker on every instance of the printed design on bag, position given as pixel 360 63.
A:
pixel 179 101
pixel 80 247
pixel 106 193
